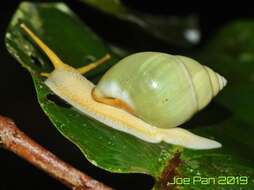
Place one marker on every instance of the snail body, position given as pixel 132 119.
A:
pixel 135 97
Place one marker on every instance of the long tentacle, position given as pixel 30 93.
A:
pixel 56 61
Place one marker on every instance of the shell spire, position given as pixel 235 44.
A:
pixel 205 81
pixel 218 82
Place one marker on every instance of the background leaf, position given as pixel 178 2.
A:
pixel 232 53
pixel 170 30
pixel 107 148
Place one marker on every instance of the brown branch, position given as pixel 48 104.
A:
pixel 11 138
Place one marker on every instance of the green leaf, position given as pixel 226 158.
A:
pixel 172 30
pixel 104 147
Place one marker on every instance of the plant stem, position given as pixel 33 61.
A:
pixel 14 140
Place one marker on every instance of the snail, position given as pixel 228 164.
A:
pixel 147 95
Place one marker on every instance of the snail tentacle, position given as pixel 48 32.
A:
pixel 45 74
pixel 91 66
pixel 56 61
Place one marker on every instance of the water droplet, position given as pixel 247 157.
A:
pixel 192 35
pixel 62 7
pixel 8 35
pixel 90 58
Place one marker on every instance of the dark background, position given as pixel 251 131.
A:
pixel 18 98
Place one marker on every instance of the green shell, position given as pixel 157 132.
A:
pixel 162 89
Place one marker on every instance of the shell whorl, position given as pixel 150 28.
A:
pixel 207 83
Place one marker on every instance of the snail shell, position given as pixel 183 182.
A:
pixel 162 89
